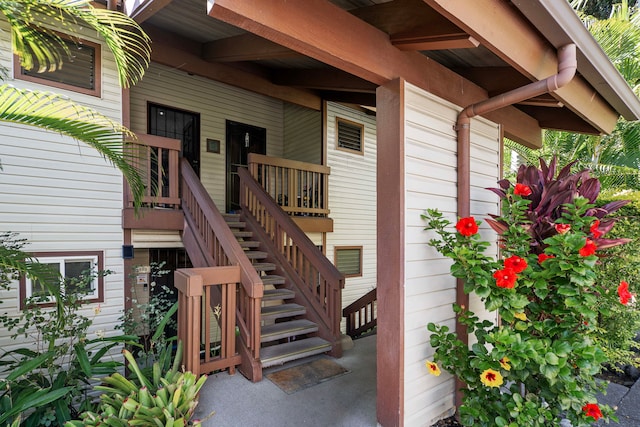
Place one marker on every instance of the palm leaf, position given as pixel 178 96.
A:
pixel 57 113
pixel 36 43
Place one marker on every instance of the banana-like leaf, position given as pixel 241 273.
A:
pixel 36 43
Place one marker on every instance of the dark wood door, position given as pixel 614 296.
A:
pixel 242 139
pixel 177 124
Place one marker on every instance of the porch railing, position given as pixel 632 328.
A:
pixel 210 292
pixel 319 282
pixel 301 189
pixel 158 162
pixel 361 314
pixel 209 242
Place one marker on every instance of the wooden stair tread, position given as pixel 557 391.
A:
pixel 255 254
pixel 238 233
pixel 282 310
pixel 292 328
pixel 231 217
pixel 249 243
pixel 236 224
pixel 281 353
pixel 275 294
pixel 272 279
pixel 264 266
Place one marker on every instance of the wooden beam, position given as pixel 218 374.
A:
pixel 245 47
pixel 175 51
pixel 323 79
pixel 420 41
pixel 537 61
pixel 319 29
pixel 144 11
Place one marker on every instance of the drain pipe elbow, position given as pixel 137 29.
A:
pixel 567 67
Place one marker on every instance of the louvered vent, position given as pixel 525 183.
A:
pixel 348 260
pixel 350 135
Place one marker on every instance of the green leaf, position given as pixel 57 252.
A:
pixel 83 359
pixel 551 358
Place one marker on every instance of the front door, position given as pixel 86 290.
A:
pixel 242 139
pixel 177 124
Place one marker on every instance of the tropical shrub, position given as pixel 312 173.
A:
pixel 166 398
pixel 47 383
pixel 538 364
pixel 619 343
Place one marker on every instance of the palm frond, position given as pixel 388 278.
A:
pixel 36 43
pixel 60 114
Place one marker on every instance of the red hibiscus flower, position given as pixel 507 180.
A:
pixel 543 257
pixel 588 249
pixel 623 293
pixel 515 263
pixel 505 278
pixel 467 226
pixel 592 410
pixel 562 228
pixel 594 229
pixel 522 190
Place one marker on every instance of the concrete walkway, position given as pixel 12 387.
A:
pixel 626 401
pixel 348 400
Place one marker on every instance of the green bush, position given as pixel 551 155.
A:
pixel 618 326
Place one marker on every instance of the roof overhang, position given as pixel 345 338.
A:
pixel 559 24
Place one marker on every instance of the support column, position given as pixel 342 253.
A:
pixel 390 248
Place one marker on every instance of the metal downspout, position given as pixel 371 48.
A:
pixel 567 65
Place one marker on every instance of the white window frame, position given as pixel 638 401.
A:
pixel 61 260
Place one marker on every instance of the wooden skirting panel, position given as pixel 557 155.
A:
pixel 313 225
pixel 152 219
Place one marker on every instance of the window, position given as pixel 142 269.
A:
pixel 348 260
pixel 350 136
pixel 80 71
pixel 70 265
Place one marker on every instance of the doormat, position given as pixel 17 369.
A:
pixel 306 375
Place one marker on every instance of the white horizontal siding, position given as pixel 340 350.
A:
pixel 302 134
pixel 352 199
pixel 430 290
pixel 216 103
pixel 62 195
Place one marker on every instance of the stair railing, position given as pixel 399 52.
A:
pixel 299 188
pixel 361 314
pixel 209 242
pixel 317 279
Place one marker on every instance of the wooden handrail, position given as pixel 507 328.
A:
pixel 312 273
pixel 361 314
pixel 158 162
pixel 210 242
pixel 197 291
pixel 299 188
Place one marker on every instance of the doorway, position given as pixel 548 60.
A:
pixel 177 124
pixel 242 139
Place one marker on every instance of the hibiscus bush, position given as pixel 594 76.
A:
pixel 538 364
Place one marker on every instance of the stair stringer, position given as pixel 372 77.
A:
pixel 294 283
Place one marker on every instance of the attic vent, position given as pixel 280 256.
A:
pixel 350 136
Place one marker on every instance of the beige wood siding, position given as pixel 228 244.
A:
pixel 302 134
pixel 430 182
pixel 62 195
pixel 216 103
pixel 352 199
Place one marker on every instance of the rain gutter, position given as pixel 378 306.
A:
pixel 567 66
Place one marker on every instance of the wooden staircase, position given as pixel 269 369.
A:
pixel 286 333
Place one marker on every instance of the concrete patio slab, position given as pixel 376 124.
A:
pixel 348 400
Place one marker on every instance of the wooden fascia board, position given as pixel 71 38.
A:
pixel 173 51
pixel 245 47
pixel 147 9
pixel 319 29
pixel 538 61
